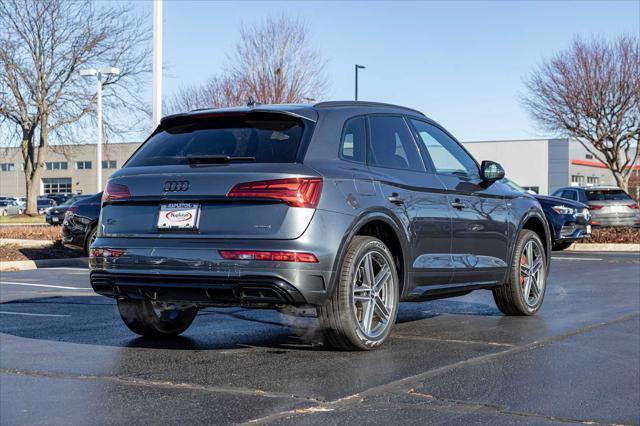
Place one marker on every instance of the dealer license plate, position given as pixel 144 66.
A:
pixel 179 216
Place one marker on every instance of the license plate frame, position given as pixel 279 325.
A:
pixel 178 216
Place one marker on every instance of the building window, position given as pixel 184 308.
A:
pixel 7 167
pixel 110 164
pixel 593 180
pixel 56 165
pixel 83 165
pixel 577 179
pixel 56 185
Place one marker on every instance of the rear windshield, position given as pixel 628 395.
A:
pixel 607 195
pixel 255 137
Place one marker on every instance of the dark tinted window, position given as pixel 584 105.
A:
pixel 569 194
pixel 607 195
pixel 447 155
pixel 258 137
pixel 353 140
pixel 391 144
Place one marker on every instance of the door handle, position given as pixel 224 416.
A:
pixel 395 199
pixel 457 204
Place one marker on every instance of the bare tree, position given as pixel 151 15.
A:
pixel 274 62
pixel 217 92
pixel 43 45
pixel 591 92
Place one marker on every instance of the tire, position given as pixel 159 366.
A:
pixel 90 239
pixel 510 297
pixel 142 318
pixel 351 324
pixel 561 246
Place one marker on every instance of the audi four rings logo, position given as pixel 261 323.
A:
pixel 175 185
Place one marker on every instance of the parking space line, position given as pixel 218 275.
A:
pixel 44 285
pixel 576 258
pixel 33 315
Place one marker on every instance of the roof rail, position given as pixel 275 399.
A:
pixel 330 104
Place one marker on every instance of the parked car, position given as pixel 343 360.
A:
pixel 55 215
pixel 42 204
pixel 347 207
pixel 59 198
pixel 609 205
pixel 10 207
pixel 80 222
pixel 569 221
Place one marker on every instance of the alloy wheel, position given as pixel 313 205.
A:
pixel 532 273
pixel 373 294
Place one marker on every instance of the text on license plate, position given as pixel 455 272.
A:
pixel 179 216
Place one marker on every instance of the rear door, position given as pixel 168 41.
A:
pixel 216 176
pixel 480 230
pixel 416 197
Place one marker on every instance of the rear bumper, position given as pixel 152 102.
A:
pixel 202 291
pixel 184 269
pixel 616 220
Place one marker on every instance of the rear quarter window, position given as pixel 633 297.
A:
pixel 254 137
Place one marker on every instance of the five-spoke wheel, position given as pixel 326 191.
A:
pixel 523 292
pixel 363 308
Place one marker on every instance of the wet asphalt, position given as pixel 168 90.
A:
pixel 66 358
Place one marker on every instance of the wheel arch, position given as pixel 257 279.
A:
pixel 535 221
pixel 381 225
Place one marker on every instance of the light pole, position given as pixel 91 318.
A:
pixel 157 62
pixel 98 73
pixel 357 68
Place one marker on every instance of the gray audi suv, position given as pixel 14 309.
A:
pixel 344 207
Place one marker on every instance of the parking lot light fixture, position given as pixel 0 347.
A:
pixel 99 73
pixel 358 67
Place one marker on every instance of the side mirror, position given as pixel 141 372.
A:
pixel 491 171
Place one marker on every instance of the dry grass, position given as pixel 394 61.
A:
pixel 9 252
pixel 27 232
pixel 614 235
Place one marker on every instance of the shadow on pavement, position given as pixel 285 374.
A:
pixel 95 320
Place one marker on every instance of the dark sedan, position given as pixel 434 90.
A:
pixel 80 222
pixel 569 220
pixel 55 215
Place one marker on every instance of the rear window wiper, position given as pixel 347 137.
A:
pixel 216 159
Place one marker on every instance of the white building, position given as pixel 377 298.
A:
pixel 543 165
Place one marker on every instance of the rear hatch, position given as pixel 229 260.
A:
pixel 216 176
pixel 615 202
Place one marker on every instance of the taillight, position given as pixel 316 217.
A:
pixel 106 252
pixel 595 207
pixel 273 256
pixel 632 206
pixel 115 191
pixel 296 192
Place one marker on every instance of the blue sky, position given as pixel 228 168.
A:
pixel 462 63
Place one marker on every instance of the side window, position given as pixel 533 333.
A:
pixel 447 156
pixel 391 144
pixel 569 194
pixel 353 140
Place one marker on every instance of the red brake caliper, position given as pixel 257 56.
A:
pixel 522 262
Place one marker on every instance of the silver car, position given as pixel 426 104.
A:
pixel 609 205
pixel 10 207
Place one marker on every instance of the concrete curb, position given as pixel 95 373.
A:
pixel 26 243
pixel 605 247
pixel 27 265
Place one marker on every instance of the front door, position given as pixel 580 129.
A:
pixel 479 244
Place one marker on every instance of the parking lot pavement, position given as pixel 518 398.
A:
pixel 66 358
